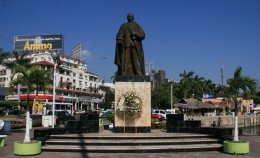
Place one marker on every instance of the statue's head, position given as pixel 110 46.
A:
pixel 130 17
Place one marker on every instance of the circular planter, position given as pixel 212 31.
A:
pixel 32 148
pixel 236 147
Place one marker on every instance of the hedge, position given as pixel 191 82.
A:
pixel 14 103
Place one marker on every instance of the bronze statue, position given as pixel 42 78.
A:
pixel 129 50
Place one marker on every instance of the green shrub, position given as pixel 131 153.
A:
pixel 8 103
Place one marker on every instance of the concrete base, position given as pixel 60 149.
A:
pixel 32 148
pixel 143 90
pixel 2 140
pixel 236 147
pixel 132 129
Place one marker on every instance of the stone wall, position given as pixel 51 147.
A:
pixel 227 121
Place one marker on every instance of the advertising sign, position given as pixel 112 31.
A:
pixel 38 42
pixel 37 108
pixel 208 96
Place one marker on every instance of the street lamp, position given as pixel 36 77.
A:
pixel 54 57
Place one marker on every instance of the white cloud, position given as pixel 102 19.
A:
pixel 85 53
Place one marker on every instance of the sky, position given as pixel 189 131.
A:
pixel 190 35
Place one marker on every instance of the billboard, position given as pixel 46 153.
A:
pixel 37 108
pixel 38 42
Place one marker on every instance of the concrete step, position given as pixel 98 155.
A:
pixel 132 136
pixel 154 142
pixel 133 142
pixel 133 149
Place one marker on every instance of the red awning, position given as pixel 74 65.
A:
pixel 41 97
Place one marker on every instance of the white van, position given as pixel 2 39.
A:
pixel 170 111
pixel 59 107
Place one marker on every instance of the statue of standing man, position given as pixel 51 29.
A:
pixel 129 50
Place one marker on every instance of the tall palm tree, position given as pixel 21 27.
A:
pixel 240 86
pixel 20 60
pixel 27 78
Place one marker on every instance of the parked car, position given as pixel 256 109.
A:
pixel 160 114
pixel 62 116
pixel 20 121
pixel 108 111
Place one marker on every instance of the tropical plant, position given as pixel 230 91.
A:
pixel 185 82
pixel 40 80
pixel 194 85
pixel 20 59
pixel 108 99
pixel 240 86
pixel 27 77
pixel 3 55
pixel 161 96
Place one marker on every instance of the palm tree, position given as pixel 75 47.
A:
pixel 3 55
pixel 240 86
pixel 40 80
pixel 185 81
pixel 27 78
pixel 20 59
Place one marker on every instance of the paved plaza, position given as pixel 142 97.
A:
pixel 18 134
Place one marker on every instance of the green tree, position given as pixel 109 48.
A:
pixel 40 80
pixel 197 86
pixel 20 59
pixel 27 78
pixel 185 82
pixel 3 55
pixel 240 86
pixel 220 91
pixel 109 99
pixel 161 96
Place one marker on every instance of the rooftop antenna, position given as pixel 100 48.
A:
pixel 222 75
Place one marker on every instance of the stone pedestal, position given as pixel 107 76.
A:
pixel 142 123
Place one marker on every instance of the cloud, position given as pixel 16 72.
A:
pixel 85 53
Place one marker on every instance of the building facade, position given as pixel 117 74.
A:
pixel 73 82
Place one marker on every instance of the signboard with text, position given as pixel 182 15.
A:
pixel 208 96
pixel 38 42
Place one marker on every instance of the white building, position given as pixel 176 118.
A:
pixel 74 83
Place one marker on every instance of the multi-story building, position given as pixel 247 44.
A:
pixel 74 83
